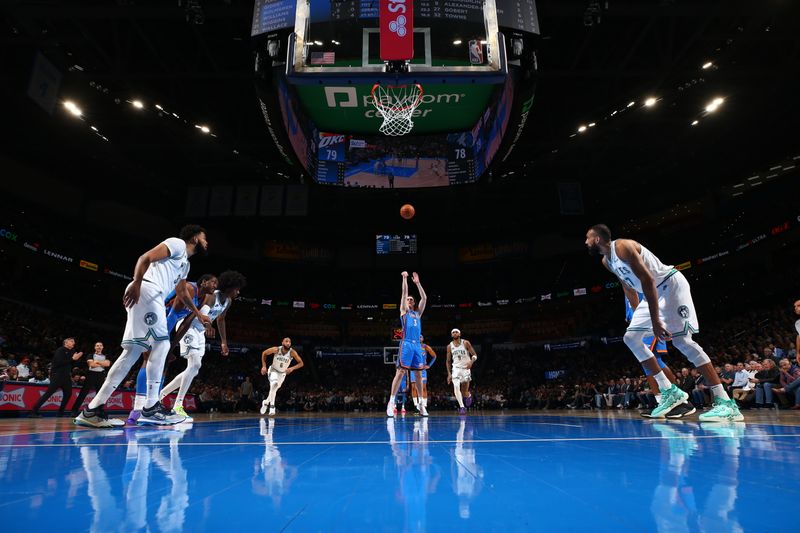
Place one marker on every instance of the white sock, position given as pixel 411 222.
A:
pixel 155 369
pixel 424 402
pixel 138 402
pixel 663 382
pixel 178 403
pixel 459 398
pixel 392 400
pixel 719 392
pixel 416 402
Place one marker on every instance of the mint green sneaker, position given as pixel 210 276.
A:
pixel 181 411
pixel 723 411
pixel 670 399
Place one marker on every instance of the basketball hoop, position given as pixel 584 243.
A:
pixel 396 104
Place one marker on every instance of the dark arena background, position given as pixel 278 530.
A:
pixel 673 122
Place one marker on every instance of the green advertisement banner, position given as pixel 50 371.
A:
pixel 349 108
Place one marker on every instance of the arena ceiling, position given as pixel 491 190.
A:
pixel 193 58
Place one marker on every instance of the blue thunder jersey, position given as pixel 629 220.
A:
pixel 412 326
pixel 656 346
pixel 424 372
pixel 173 316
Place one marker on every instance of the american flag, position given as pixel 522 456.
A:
pixel 323 58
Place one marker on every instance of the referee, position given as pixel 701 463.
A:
pixel 60 376
pixel 98 369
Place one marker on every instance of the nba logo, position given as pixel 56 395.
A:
pixel 475 52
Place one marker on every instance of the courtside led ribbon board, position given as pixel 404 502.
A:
pixel 397 29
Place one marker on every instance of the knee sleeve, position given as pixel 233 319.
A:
pixel 693 352
pixel 635 341
pixel 193 365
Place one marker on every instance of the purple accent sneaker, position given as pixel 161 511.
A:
pixel 468 401
pixel 462 411
pixel 133 416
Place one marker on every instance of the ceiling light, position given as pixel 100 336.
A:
pixel 581 129
pixel 650 102
pixel 204 129
pixel 137 104
pixel 72 108
pixel 707 65
pixel 695 122
pixel 631 104
pixel 159 107
pixel 714 105
pixel 592 124
pixel 318 43
pixel 93 128
pixel 457 41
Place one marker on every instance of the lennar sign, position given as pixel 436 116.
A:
pixel 348 97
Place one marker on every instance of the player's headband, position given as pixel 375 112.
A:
pixel 455 330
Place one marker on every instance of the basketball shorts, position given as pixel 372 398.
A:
pixel 411 355
pixel 147 319
pixel 424 377
pixel 193 343
pixel 675 306
pixel 462 375
pixel 276 377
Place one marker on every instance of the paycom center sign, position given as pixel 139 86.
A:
pixel 444 107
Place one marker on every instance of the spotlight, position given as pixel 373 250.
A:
pixel 631 104
pixel 650 102
pixel 714 105
pixel 457 42
pixel 204 129
pixel 137 104
pixel 581 128
pixel 72 108
pixel 592 124
pixel 707 65
pixel 695 122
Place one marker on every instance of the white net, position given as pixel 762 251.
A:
pixel 396 104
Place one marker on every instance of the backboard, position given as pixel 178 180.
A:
pixel 452 38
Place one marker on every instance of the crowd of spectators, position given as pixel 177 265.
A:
pixel 755 352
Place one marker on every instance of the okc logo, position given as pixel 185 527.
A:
pixel 683 311
pixel 150 319
pixel 398 26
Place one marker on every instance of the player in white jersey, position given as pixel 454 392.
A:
pixel 278 370
pixel 157 272
pixel 460 358
pixel 667 312
pixel 193 344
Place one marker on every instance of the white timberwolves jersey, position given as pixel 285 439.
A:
pixel 460 355
pixel 659 270
pixel 166 274
pixel 217 308
pixel 281 360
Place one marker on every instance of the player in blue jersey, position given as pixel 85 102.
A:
pixel 659 349
pixel 424 398
pixel 401 395
pixel 176 310
pixel 411 356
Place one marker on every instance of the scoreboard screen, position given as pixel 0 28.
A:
pixel 395 244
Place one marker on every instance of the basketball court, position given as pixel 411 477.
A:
pixel 406 95
pixel 504 471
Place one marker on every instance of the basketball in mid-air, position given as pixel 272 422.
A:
pixel 407 211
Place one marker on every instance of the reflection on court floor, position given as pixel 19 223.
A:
pixel 510 473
